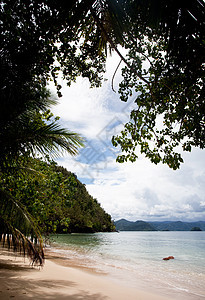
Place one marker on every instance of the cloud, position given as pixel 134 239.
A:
pixel 90 110
pixel 145 191
pixel 134 191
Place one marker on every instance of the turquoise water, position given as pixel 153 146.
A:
pixel 136 259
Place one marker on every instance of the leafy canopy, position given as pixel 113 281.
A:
pixel 164 66
pixel 164 71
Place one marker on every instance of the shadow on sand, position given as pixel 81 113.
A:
pixel 14 285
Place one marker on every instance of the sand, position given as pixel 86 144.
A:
pixel 19 280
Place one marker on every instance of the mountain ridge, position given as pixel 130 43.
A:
pixel 139 225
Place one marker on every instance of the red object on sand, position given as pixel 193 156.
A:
pixel 168 258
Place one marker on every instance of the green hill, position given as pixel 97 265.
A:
pixel 57 199
pixel 178 225
pixel 196 229
pixel 124 225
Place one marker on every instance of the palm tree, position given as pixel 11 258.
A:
pixel 18 230
pixel 32 130
pixel 25 127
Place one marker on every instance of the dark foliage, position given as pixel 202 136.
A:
pixel 56 199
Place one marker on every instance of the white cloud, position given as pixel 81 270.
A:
pixel 89 110
pixel 142 190
pixel 134 191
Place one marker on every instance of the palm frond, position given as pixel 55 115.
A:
pixel 26 239
pixel 50 139
pixel 31 131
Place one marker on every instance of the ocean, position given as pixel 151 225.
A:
pixel 135 259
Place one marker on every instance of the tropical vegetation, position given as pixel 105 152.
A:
pixel 45 40
pixel 163 66
pixel 56 199
pixel 32 131
pixel 164 73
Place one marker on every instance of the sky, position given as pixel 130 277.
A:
pixel 134 191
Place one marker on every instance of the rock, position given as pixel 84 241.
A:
pixel 168 258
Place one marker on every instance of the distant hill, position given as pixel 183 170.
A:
pixel 178 226
pixel 125 225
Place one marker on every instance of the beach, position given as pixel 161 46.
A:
pixel 19 280
pixel 125 265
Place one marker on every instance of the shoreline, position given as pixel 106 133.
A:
pixel 163 289
pixel 59 280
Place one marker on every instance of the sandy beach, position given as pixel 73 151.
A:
pixel 21 281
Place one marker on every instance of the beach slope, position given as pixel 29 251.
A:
pixel 20 281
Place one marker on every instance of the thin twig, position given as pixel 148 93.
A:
pixel 114 76
pixel 99 23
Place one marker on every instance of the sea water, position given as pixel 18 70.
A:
pixel 136 259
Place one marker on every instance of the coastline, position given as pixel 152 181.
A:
pixel 60 280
